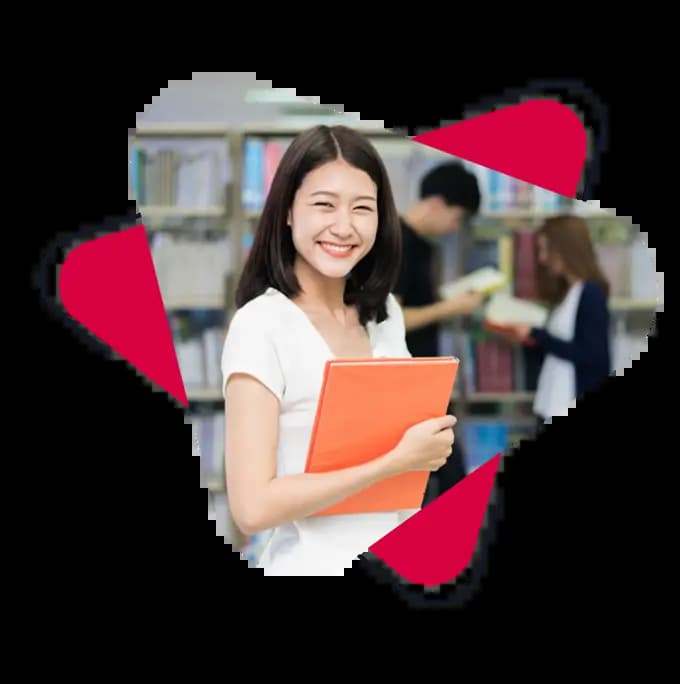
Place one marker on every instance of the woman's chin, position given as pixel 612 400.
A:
pixel 334 272
pixel 334 267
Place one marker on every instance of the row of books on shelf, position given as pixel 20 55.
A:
pixel 492 365
pixel 630 269
pixel 208 429
pixel 488 364
pixel 509 262
pixel 198 337
pixel 191 270
pixel 199 359
pixel 196 173
pixel 483 439
pixel 261 158
pixel 406 163
pixel 195 270
pixel 182 173
pixel 403 160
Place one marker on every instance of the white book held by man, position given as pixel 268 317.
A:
pixel 483 280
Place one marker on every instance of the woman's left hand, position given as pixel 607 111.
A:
pixel 522 333
pixel 519 333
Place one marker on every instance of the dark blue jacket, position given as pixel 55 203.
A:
pixel 589 351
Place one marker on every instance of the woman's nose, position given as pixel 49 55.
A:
pixel 342 225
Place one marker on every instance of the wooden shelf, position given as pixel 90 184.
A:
pixel 169 211
pixel 214 484
pixel 204 394
pixel 626 304
pixel 287 131
pixel 190 130
pixel 493 397
pixel 520 213
pixel 191 304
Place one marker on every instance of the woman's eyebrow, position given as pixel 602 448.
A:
pixel 334 194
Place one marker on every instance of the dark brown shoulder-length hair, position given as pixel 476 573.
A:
pixel 272 255
pixel 569 237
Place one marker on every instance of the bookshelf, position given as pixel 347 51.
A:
pixel 200 188
pixel 499 379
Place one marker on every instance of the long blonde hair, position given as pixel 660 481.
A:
pixel 569 237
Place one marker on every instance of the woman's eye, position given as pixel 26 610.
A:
pixel 329 205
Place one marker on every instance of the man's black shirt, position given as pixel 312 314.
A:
pixel 416 288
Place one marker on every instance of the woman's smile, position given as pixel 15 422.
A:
pixel 336 249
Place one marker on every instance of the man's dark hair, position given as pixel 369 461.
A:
pixel 455 184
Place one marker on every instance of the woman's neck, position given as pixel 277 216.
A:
pixel 319 292
pixel 572 279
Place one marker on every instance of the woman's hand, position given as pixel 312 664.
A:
pixel 424 446
pixel 519 333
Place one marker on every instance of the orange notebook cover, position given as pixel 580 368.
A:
pixel 365 406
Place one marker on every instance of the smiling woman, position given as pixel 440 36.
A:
pixel 317 285
pixel 334 214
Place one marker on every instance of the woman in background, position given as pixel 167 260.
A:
pixel 576 339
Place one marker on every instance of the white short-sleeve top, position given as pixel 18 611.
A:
pixel 272 339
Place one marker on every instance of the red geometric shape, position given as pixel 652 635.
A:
pixel 436 544
pixel 540 141
pixel 109 285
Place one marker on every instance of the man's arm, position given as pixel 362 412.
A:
pixel 420 316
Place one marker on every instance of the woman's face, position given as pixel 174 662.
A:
pixel 546 257
pixel 334 218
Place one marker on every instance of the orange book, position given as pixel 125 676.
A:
pixel 365 406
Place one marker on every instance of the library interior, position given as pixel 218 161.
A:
pixel 200 161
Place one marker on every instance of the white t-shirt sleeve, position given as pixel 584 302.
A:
pixel 250 348
pixel 397 326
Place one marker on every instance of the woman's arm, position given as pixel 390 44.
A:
pixel 591 332
pixel 260 500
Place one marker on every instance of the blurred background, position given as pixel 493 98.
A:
pixel 199 165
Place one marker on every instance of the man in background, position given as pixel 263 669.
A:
pixel 449 196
